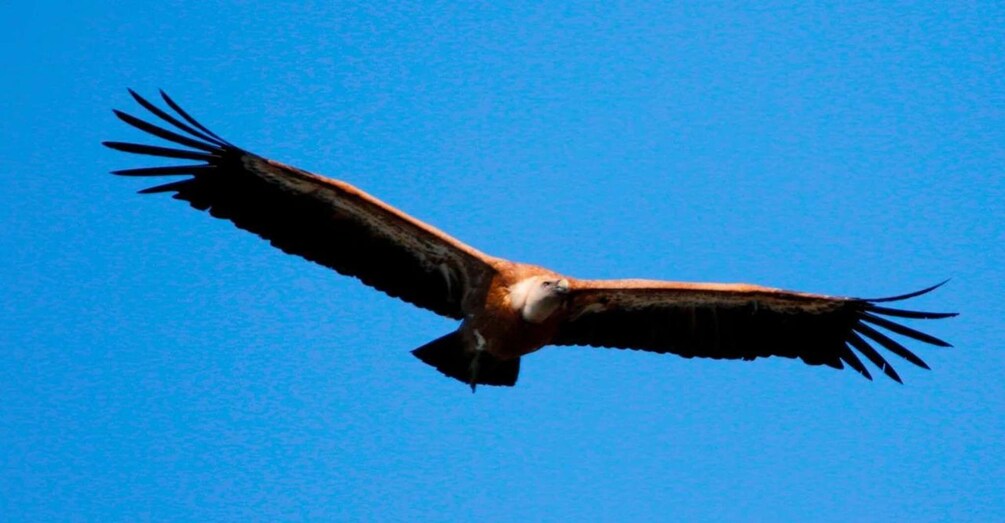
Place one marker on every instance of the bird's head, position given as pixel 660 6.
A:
pixel 539 297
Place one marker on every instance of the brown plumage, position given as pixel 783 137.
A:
pixel 508 309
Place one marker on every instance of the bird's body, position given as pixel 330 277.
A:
pixel 508 309
pixel 513 318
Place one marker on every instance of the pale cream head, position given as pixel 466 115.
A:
pixel 538 297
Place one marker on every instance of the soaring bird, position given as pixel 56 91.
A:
pixel 507 309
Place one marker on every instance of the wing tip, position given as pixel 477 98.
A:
pixel 909 295
pixel 878 317
pixel 167 187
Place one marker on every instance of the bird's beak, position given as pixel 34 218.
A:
pixel 562 287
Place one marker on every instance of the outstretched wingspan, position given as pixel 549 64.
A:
pixel 326 221
pixel 735 321
pixel 509 309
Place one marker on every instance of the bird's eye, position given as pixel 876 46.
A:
pixel 546 284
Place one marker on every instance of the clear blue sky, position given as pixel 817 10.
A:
pixel 158 364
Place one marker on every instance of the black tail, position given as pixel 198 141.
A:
pixel 449 356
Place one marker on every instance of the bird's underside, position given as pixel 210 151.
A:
pixel 508 309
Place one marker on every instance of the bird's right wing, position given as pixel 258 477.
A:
pixel 323 220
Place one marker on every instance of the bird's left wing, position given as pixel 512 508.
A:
pixel 323 220
pixel 738 321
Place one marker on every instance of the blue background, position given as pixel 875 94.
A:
pixel 159 364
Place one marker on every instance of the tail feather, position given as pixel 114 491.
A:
pixel 448 355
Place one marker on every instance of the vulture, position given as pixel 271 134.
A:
pixel 508 309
